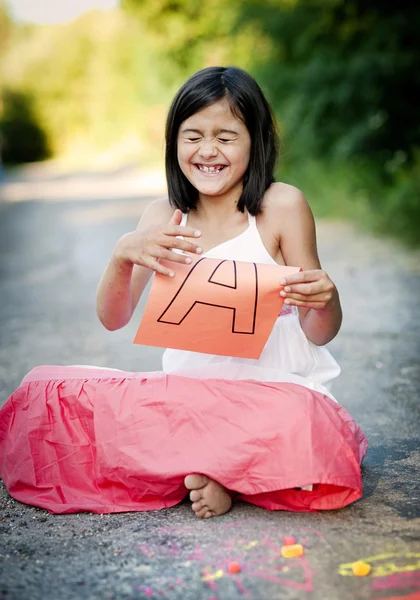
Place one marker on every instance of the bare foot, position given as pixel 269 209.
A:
pixel 209 498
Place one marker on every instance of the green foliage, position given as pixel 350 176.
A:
pixel 343 80
pixel 340 74
pixel 353 190
pixel 396 207
pixel 188 35
pixel 22 139
pixel 92 81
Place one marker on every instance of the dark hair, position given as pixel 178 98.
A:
pixel 247 103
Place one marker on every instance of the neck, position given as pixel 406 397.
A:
pixel 219 206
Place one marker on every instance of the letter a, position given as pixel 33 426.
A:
pixel 231 286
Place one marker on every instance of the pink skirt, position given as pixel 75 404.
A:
pixel 85 439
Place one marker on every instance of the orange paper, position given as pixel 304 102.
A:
pixel 214 306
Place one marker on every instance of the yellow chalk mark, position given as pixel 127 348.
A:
pixel 251 545
pixel 361 569
pixel 213 576
pixel 386 568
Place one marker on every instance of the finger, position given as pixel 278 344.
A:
pixel 171 242
pixel 306 289
pixel 309 298
pixel 176 217
pixel 305 304
pixel 154 265
pixel 303 277
pixel 175 229
pixel 168 255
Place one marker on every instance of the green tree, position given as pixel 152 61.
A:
pixel 343 73
pixel 188 35
pixel 22 138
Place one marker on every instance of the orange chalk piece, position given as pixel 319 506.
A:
pixel 214 306
pixel 234 568
pixel 289 540
pixel 292 551
pixel 361 569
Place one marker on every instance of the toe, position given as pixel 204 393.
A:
pixel 195 495
pixel 208 514
pixel 195 482
pixel 200 513
pixel 196 506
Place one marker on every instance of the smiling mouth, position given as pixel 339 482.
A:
pixel 213 170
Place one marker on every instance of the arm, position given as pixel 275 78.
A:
pixel 135 257
pixel 312 291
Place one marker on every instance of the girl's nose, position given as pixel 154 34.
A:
pixel 207 149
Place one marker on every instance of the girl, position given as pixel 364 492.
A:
pixel 267 431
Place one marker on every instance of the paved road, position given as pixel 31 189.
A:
pixel 51 257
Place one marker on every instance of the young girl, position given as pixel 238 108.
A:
pixel 267 431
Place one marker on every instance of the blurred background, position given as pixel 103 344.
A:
pixel 85 85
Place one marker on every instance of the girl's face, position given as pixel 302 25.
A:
pixel 213 150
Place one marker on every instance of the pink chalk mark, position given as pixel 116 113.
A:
pixel 287 582
pixel 267 542
pixel 145 550
pixel 404 579
pixel 306 586
pixel 212 585
pixel 241 587
pixel 413 596
pixel 175 551
pixel 197 554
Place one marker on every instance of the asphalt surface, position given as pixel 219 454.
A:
pixel 52 254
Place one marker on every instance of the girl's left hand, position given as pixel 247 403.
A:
pixel 308 289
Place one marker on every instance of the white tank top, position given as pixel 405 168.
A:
pixel 247 246
pixel 288 354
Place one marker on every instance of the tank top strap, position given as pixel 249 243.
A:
pixel 252 221
pixel 184 219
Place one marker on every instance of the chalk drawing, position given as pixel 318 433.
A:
pixel 386 564
pixel 260 559
pixel 407 579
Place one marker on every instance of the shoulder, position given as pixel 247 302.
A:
pixel 288 217
pixel 285 209
pixel 158 211
pixel 160 206
pixel 285 199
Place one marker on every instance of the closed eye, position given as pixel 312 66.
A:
pixel 222 140
pixel 193 139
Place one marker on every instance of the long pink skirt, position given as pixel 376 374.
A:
pixel 84 439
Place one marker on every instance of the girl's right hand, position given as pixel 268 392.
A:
pixel 146 247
